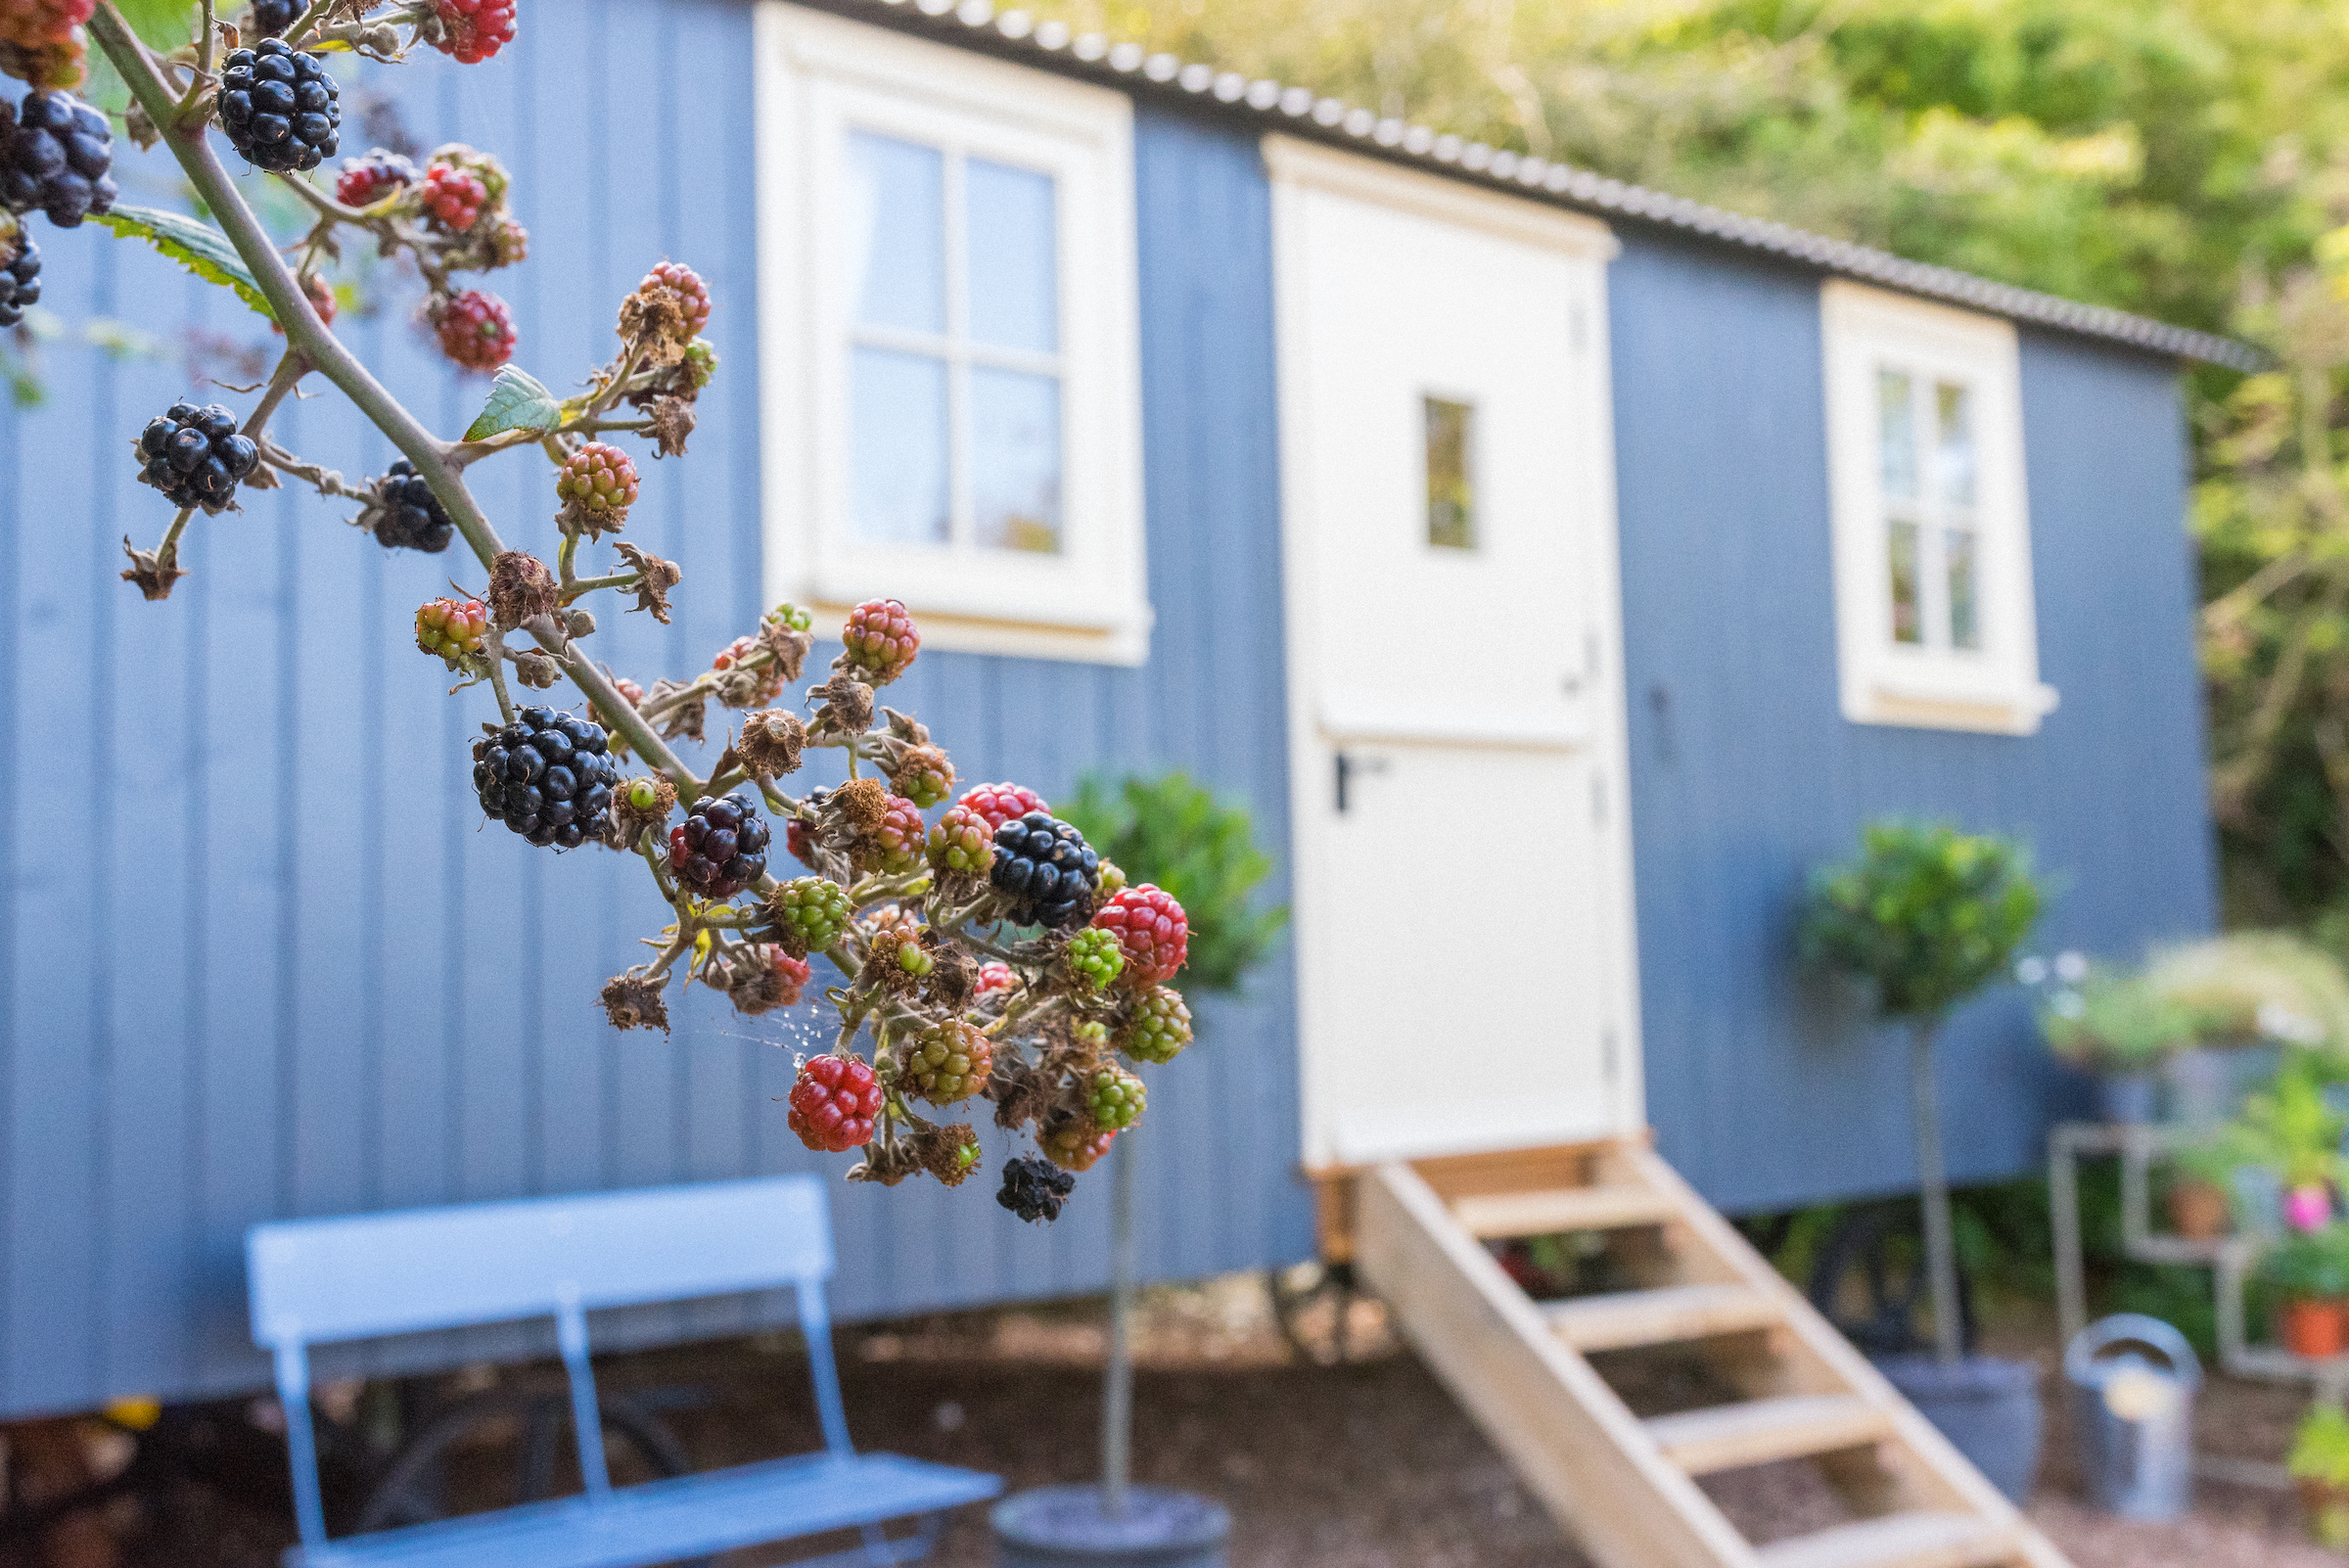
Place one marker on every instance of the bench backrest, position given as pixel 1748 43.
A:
pixel 361 1276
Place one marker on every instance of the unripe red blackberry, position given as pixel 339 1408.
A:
pixel 800 838
pixel 41 41
pixel 1034 1190
pixel 679 296
pixel 1074 1145
pixel 1095 958
pixel 19 278
pixel 548 776
pixel 407 514
pixel 881 639
pixel 195 455
pixel 453 196
pixel 1115 1098
pixel 770 678
pixel 475 329
pixel 833 1103
pixel 994 975
pixel 812 910
pixel 457 631
pixel 368 180
pixel 56 155
pixel 998 804
pixel 948 1061
pixel 1160 1027
pixel 764 977
pixel 721 847
pixel 1152 929
pixel 596 485
pixel 279 107
pixel 898 846
pixel 509 242
pixel 471 30
pixel 1044 871
pixel 961 841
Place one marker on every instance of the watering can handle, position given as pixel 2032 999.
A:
pixel 2131 1328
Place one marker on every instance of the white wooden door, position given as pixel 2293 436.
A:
pixel 1462 891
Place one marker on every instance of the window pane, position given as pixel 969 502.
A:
pixel 1908 623
pixel 1450 498
pixel 1958 549
pixel 1015 460
pixel 897 447
pixel 895 232
pixel 1897 422
pixel 1954 453
pixel 1015 279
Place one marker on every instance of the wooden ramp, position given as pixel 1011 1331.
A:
pixel 1626 1487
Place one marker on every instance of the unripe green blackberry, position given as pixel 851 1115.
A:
pixel 1095 958
pixel 948 1061
pixel 916 959
pixel 962 841
pixel 596 485
pixel 924 776
pixel 1160 1027
pixel 789 615
pixel 810 911
pixel 1115 1099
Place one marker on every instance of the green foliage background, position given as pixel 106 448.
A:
pixel 2187 159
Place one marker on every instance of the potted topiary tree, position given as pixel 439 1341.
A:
pixel 1926 916
pixel 2319 1463
pixel 2309 1275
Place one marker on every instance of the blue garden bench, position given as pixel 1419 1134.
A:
pixel 362 1276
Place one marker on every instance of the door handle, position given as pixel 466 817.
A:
pixel 1348 767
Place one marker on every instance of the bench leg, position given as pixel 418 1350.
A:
pixel 879 1550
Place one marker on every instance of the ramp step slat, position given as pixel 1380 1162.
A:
pixel 1726 1436
pixel 1898 1540
pixel 1622 1319
pixel 1500 1215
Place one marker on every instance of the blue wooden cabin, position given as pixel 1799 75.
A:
pixel 1577 562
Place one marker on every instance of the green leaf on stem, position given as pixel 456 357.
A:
pixel 164 25
pixel 518 400
pixel 197 245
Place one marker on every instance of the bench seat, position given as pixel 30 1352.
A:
pixel 661 1521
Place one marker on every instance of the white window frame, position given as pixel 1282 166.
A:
pixel 818 78
pixel 1994 688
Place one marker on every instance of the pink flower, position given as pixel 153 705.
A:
pixel 2308 1208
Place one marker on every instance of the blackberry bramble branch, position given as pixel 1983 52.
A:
pixel 989 956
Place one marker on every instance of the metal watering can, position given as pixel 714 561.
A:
pixel 2136 1413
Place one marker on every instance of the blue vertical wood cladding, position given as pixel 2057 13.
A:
pixel 1745 774
pixel 257 957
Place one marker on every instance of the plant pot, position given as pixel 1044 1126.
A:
pixel 2316 1329
pixel 2199 1211
pixel 1065 1527
pixel 1987 1408
pixel 2324 1508
pixel 2128 1098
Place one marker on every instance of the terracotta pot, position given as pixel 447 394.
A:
pixel 2316 1329
pixel 2199 1209
pixel 2324 1507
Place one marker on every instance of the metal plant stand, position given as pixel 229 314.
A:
pixel 2230 1259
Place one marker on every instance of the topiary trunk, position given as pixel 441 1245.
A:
pixel 1933 1191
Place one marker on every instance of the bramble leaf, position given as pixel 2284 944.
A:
pixel 195 245
pixel 518 400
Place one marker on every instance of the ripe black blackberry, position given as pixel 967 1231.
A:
pixel 20 280
pixel 55 153
pixel 280 108
pixel 1035 1190
pixel 195 455
pixel 1044 871
pixel 271 17
pixel 409 516
pixel 548 776
pixel 721 847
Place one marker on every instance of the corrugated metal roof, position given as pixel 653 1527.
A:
pixel 1017 36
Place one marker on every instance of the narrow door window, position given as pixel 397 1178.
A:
pixel 1450 474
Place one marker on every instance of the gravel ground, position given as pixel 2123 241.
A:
pixel 1369 1465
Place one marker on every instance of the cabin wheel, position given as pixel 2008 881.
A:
pixel 1314 1305
pixel 536 1424
pixel 1869 1279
